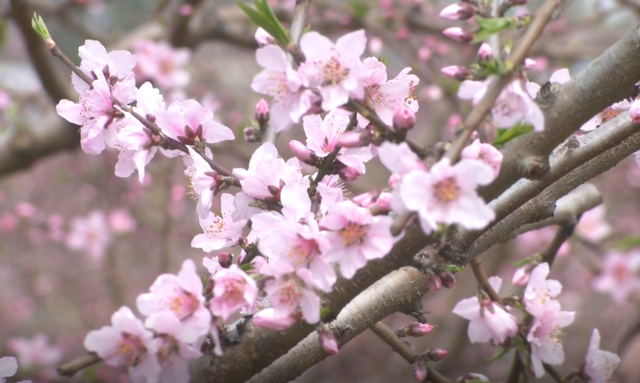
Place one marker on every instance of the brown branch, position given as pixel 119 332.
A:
pixel 515 59
pixel 72 368
pixel 562 234
pixel 483 281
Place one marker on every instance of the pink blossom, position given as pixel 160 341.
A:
pixel 543 335
pixel 95 111
pixel 447 194
pixel 485 52
pixel 287 87
pixel 600 365
pixel 420 371
pixel 35 352
pixel 90 234
pixel 288 293
pixel 268 319
pixel 161 63
pixel 619 275
pixel 323 135
pixel 8 367
pixel 540 290
pixel 592 225
pixel 328 341
pixel 95 58
pixel 335 69
pixel 121 221
pixel 136 143
pixel 458 11
pixel 220 231
pixel 356 236
pixel 521 276
pixel 8 222
pixel 459 34
pixel 182 295
pixel 512 105
pixel 399 158
pixel 190 123
pixel 126 343
pixel 233 290
pixel 263 37
pixel 268 173
pixel 173 354
pixel 404 119
pixel 486 153
pixel 204 181
pixel 487 320
pixel 26 210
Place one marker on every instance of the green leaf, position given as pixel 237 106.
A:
pixel 453 268
pixel 628 243
pixel 498 355
pixel 523 262
pixel 506 135
pixel 40 27
pixel 324 312
pixel 247 267
pixel 489 27
pixel 359 9
pixel 264 17
pixel 484 69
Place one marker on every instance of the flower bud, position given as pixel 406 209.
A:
pixel 329 342
pixel 634 111
pixel 420 371
pixel 459 34
pixel 348 173
pixel 250 134
pixel 268 319
pixel 434 282
pixel 448 280
pixel 435 354
pixel 521 276
pixel 529 63
pixel 404 119
pixel 485 52
pixel 354 139
pixel 460 11
pixel 418 329
pixel 225 260
pixel 458 73
pixel 262 112
pixel 263 37
pixel 367 199
pixel 300 151
pixel 384 201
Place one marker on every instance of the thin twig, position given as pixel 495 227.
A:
pixel 553 373
pixel 516 366
pixel 72 368
pixel 481 277
pixel 516 58
pixel 562 234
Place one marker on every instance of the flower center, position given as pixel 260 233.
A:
pixel 183 304
pixel 353 234
pixel 217 226
pixel 447 190
pixel 130 349
pixel 621 273
pixel 289 293
pixel 333 71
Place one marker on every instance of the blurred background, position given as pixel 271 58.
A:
pixel 76 242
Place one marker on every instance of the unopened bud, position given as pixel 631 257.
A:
pixel 418 329
pixel 634 111
pixel 250 134
pixel 434 283
pixel 329 342
pixel 435 354
pixel 262 112
pixel 348 173
pixel 225 260
pixel 354 139
pixel 448 280
pixel 521 276
pixel 404 119
pixel 485 52
pixel 459 34
pixel 460 11
pixel 301 152
pixel 263 37
pixel 458 73
pixel 384 201
pixel 367 199
pixel 420 372
pixel 529 63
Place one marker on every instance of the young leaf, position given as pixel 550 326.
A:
pixel 264 17
pixel 506 135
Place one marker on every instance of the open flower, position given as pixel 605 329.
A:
pixel 219 230
pixel 487 320
pixel 600 365
pixel 543 336
pixel 540 290
pixel 619 275
pixel 233 290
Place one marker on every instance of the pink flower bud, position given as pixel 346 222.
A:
pixel 263 37
pixel 329 342
pixel 521 277
pixel 367 199
pixel 458 34
pixel 418 329
pixel 268 319
pixel 354 139
pixel 435 354
pixel 27 210
pixel 394 179
pixel 424 54
pixel 186 10
pixel 348 173
pixel 634 111
pixel 434 282
pixel 262 112
pixel 300 151
pixel 458 73
pixel 460 11
pixel 529 63
pixel 485 52
pixel 448 280
pixel 384 201
pixel 404 119
pixel 225 260
pixel 420 372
